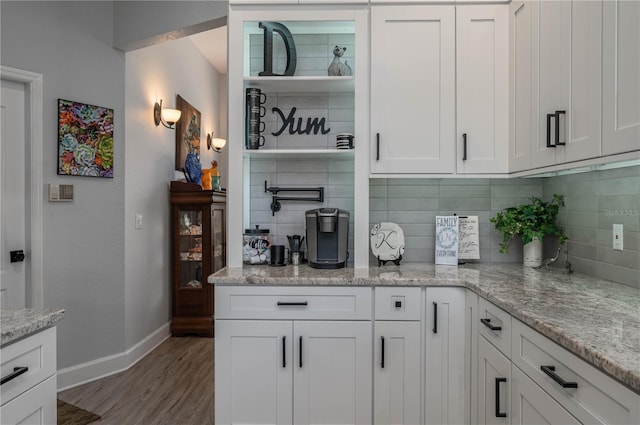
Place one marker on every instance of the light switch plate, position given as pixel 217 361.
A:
pixel 60 192
pixel 139 221
pixel 618 242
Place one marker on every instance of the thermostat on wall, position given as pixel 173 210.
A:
pixel 60 192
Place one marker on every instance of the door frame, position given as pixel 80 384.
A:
pixel 34 296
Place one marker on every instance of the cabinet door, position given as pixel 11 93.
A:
pixel 621 85
pixel 413 89
pixel 36 406
pixel 494 381
pixel 482 88
pixel 253 363
pixel 530 405
pixel 332 372
pixel 444 363
pixel 522 109
pixel 396 373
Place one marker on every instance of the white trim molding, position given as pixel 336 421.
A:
pixel 100 368
pixel 34 140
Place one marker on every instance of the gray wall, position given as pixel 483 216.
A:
pixel 594 202
pixel 70 44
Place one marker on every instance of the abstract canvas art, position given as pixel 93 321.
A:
pixel 85 139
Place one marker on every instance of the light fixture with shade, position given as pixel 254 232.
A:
pixel 215 143
pixel 166 117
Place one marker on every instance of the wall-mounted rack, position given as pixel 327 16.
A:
pixel 275 200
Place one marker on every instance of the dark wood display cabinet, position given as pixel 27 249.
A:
pixel 198 250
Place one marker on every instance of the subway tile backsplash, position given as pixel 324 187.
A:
pixel 594 202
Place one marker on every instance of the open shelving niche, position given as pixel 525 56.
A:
pixel 304 20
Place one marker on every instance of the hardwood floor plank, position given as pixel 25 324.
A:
pixel 172 385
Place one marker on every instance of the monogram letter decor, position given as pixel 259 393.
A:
pixel 289 45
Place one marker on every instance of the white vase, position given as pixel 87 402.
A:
pixel 532 253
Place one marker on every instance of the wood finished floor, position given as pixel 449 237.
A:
pixel 172 385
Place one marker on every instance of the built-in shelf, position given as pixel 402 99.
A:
pixel 302 84
pixel 300 153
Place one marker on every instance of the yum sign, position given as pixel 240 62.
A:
pixel 298 125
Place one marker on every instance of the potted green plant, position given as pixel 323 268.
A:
pixel 531 222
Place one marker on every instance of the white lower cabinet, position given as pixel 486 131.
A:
pixel 35 407
pixel 396 373
pixel 444 360
pixel 494 383
pixel 531 405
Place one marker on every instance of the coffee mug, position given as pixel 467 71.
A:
pixel 257 110
pixel 254 94
pixel 344 141
pixel 255 141
pixel 278 255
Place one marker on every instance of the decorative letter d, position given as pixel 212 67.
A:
pixel 290 46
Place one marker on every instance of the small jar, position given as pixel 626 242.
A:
pixel 255 246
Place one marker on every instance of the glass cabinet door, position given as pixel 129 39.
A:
pixel 190 248
pixel 217 229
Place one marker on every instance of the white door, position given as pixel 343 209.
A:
pixel 494 383
pixel 482 51
pixel 531 405
pixel 445 348
pixel 396 373
pixel 413 89
pixel 253 363
pixel 621 85
pixel 13 207
pixel 522 109
pixel 332 373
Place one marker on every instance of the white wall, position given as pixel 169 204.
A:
pixel 69 43
pixel 154 73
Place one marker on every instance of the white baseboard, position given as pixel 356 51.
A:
pixel 95 369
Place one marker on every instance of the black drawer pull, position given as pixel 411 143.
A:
pixel 298 303
pixel 499 414
pixel 487 323
pixel 377 146
pixel 382 354
pixel 549 118
pixel 464 146
pixel 17 371
pixel 551 372
pixel 557 116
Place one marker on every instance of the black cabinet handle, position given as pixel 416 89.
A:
pixel 300 353
pixel 435 317
pixel 487 323
pixel 557 117
pixel 377 146
pixel 298 303
pixel 382 354
pixel 464 146
pixel 549 118
pixel 499 414
pixel 550 371
pixel 17 371
pixel 284 351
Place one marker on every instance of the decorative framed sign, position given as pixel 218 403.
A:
pixel 187 132
pixel 85 139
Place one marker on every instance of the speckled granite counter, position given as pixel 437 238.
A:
pixel 15 324
pixel 595 319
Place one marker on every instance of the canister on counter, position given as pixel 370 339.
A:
pixel 255 247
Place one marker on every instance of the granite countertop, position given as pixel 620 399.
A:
pixel 595 319
pixel 16 324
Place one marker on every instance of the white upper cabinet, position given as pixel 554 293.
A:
pixel 482 88
pixel 412 89
pixel 621 81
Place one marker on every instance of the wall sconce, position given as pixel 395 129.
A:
pixel 215 143
pixel 166 117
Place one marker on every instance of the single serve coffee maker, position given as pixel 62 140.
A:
pixel 327 238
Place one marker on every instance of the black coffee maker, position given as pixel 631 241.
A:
pixel 327 238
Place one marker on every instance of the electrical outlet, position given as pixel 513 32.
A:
pixel 618 242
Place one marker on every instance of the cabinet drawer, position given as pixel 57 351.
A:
pixel 36 406
pixel 37 353
pixel 293 302
pixel 597 398
pixel 495 326
pixel 397 303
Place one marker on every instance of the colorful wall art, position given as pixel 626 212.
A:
pixel 85 139
pixel 187 133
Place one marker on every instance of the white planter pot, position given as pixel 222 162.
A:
pixel 532 253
